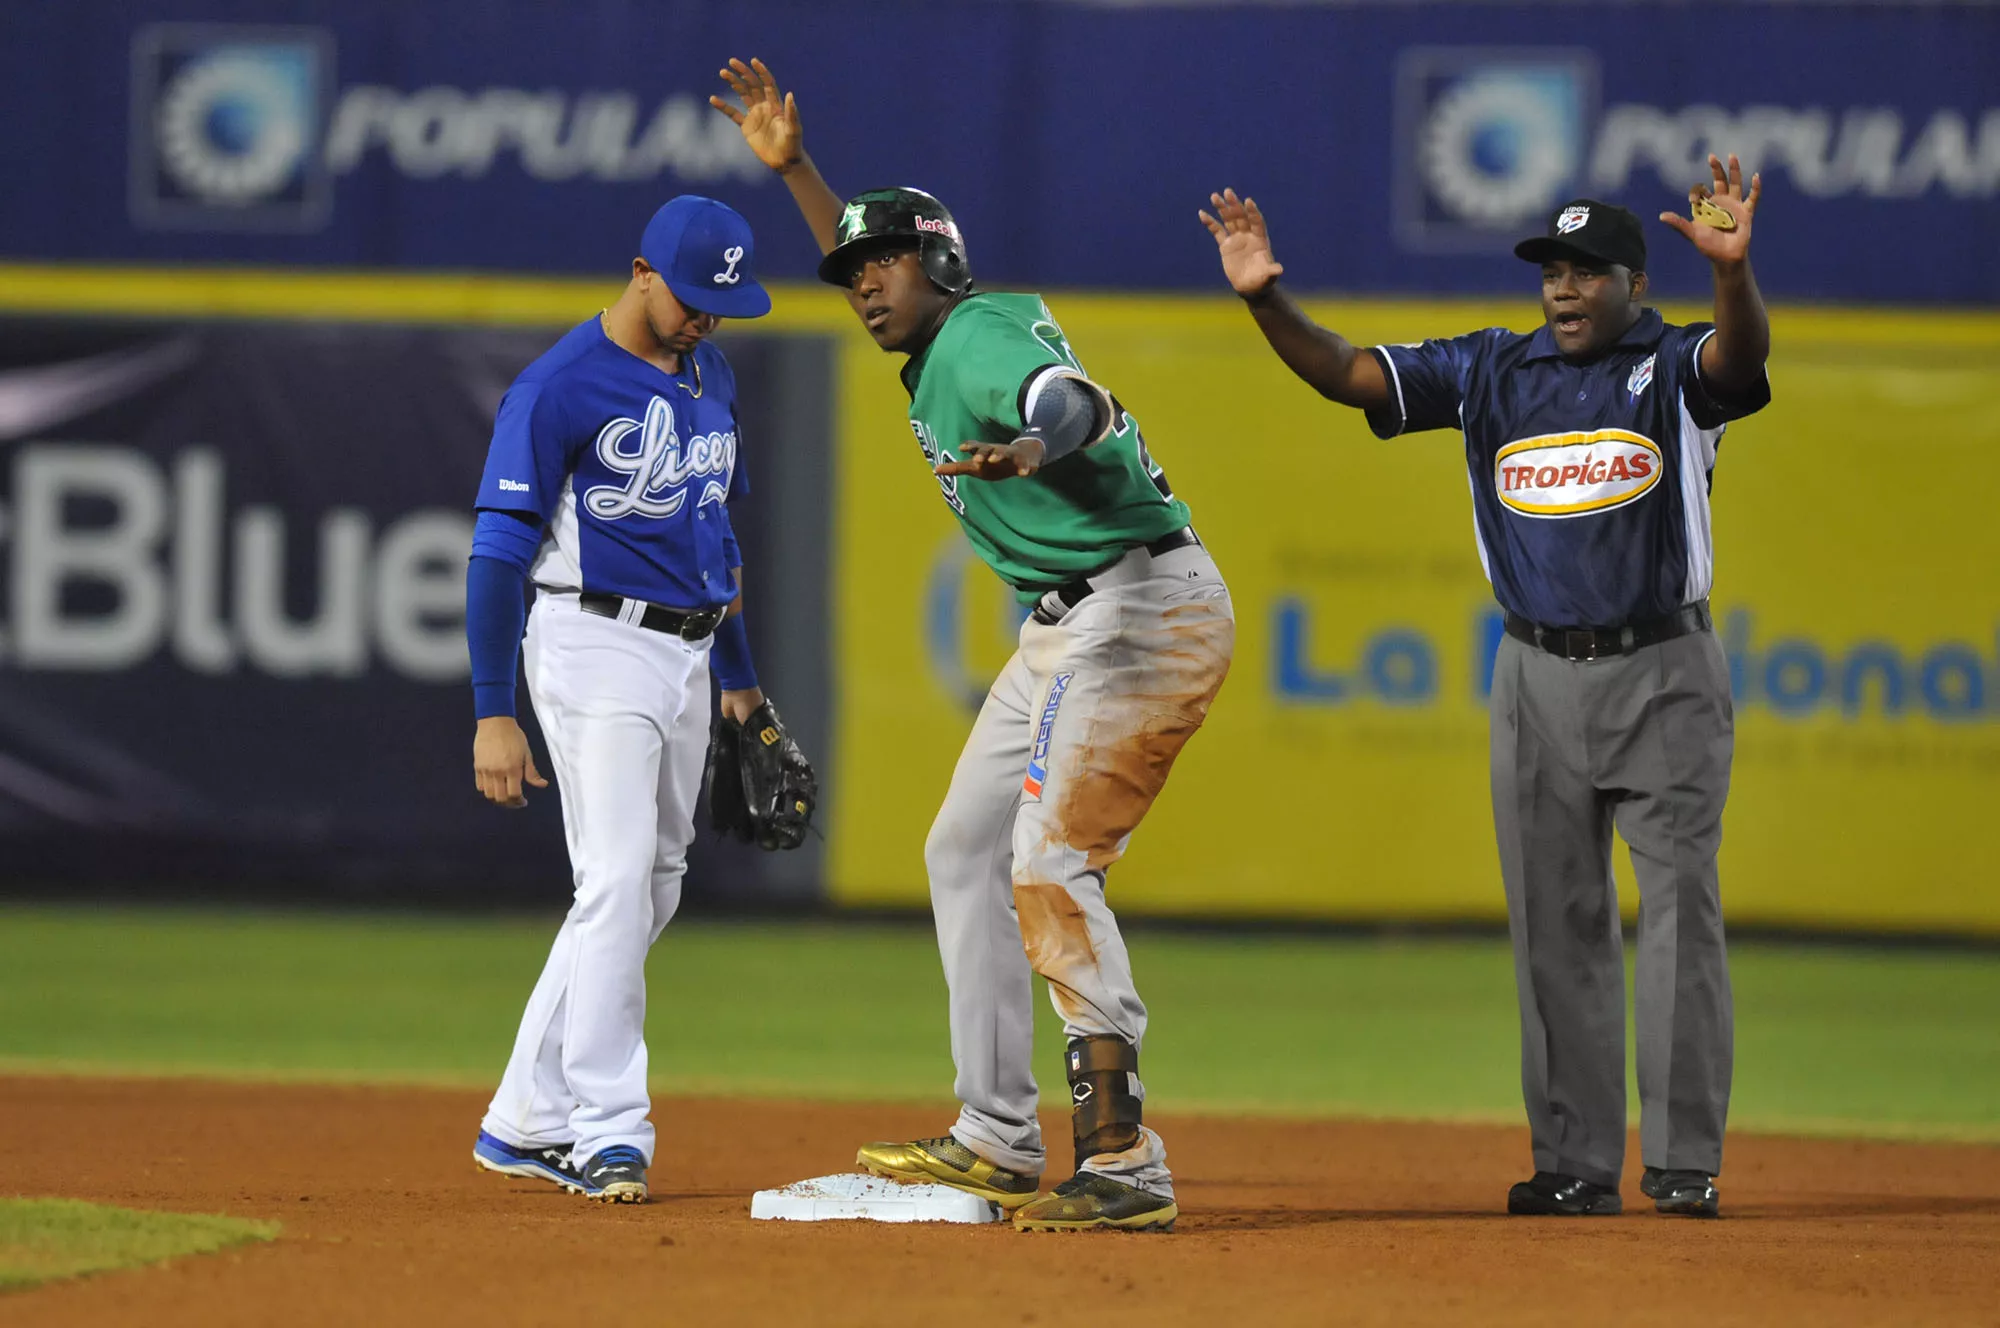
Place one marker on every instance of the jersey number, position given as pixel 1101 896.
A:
pixel 1050 335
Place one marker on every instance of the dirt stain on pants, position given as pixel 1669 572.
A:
pixel 1056 936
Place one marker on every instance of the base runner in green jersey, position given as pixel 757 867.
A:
pixel 1128 641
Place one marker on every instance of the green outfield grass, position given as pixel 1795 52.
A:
pixel 1830 1039
pixel 43 1239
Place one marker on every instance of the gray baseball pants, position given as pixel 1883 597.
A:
pixel 1642 743
pixel 1073 744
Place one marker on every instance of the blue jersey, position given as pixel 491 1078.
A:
pixel 630 468
pixel 1590 481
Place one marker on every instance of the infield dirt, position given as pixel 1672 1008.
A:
pixel 387 1223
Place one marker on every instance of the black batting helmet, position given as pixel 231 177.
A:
pixel 884 217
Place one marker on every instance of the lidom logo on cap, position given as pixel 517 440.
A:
pixel 1571 474
pixel 1572 219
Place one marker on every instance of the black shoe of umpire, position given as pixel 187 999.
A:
pixel 1551 1194
pixel 1682 1193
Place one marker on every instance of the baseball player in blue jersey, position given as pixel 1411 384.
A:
pixel 614 459
pixel 1591 445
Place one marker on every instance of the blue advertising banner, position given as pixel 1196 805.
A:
pixel 232 644
pixel 1396 147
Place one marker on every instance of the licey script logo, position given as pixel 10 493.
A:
pixel 660 471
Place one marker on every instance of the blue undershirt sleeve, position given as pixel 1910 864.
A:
pixel 730 656
pixel 503 545
pixel 729 653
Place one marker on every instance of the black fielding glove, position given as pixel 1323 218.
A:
pixel 779 788
pixel 723 779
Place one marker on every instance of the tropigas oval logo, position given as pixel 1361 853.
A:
pixel 1569 474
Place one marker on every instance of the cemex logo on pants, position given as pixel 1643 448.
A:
pixel 238 127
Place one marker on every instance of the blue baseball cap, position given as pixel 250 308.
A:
pixel 704 251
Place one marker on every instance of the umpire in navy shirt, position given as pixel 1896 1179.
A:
pixel 1591 443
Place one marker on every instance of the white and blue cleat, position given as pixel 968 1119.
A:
pixel 616 1175
pixel 549 1162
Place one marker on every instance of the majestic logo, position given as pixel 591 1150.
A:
pixel 1640 378
pixel 1487 141
pixel 1572 219
pixel 662 467
pixel 853 221
pixel 729 276
pixel 226 126
pixel 1039 757
pixel 1572 474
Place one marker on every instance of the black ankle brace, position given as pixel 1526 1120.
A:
pixel 1104 1111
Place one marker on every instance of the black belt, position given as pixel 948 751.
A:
pixel 655 618
pixel 1073 593
pixel 1600 642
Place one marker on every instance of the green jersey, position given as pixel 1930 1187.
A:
pixel 1072 517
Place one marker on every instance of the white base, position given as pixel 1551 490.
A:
pixel 869 1198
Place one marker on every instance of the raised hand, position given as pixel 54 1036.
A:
pixel 769 118
pixel 996 461
pixel 1724 192
pixel 1243 241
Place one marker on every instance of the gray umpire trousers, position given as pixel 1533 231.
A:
pixel 1641 742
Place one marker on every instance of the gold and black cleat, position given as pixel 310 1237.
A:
pixel 946 1161
pixel 1088 1201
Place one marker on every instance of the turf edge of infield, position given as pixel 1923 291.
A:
pixel 43 1240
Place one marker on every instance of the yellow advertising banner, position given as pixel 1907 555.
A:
pixel 1343 770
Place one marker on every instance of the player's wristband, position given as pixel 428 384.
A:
pixel 729 656
pixel 495 612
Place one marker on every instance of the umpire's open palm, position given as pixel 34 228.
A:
pixel 1243 241
pixel 769 118
pixel 1725 193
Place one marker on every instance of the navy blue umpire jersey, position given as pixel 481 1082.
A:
pixel 1590 481
pixel 630 468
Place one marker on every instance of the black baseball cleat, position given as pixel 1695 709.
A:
pixel 1681 1193
pixel 1551 1194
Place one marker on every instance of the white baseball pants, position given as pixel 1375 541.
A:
pixel 625 712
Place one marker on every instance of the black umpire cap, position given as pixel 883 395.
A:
pixel 1586 229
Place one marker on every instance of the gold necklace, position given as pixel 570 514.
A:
pixel 694 365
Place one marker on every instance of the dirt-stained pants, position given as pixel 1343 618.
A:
pixel 1074 743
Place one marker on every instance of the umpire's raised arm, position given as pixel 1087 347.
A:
pixel 1324 359
pixel 769 120
pixel 1732 361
